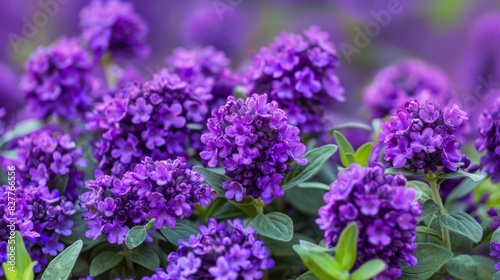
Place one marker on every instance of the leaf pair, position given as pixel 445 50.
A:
pixel 347 153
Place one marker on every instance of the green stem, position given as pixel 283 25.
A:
pixel 107 63
pixel 431 179
pixel 259 206
pixel 128 260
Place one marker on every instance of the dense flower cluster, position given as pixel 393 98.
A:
pixel 256 145
pixel 395 84
pixel 41 216
pixel 489 141
pixel 58 80
pixel 148 120
pixel 421 136
pixel 299 73
pixel 115 27
pixel 164 190
pixel 384 210
pixel 218 252
pixel 45 157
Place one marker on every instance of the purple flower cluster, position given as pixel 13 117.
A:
pixel 299 73
pixel 495 224
pixel 421 136
pixel 489 141
pixel 256 145
pixel 41 216
pixel 45 156
pixel 58 80
pixel 148 120
pixel 115 27
pixel 164 190
pixel 396 83
pixel 218 252
pixel 384 210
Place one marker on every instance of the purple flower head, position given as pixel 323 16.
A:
pixel 57 80
pixel 164 190
pixel 219 251
pixel 45 156
pixel 40 215
pixel 488 141
pixel 148 120
pixel 422 136
pixel 384 209
pixel 299 73
pixel 255 144
pixel 396 83
pixel 114 26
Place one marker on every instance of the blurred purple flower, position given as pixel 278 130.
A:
pixel 489 140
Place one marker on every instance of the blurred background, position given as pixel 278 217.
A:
pixel 368 35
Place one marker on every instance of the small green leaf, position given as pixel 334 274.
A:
pixel 313 247
pixel 363 154
pixel 428 231
pixel 495 237
pixel 21 129
pixel 307 276
pixel 423 190
pixel 321 264
pixel 59 183
pixel 104 262
pixel 344 148
pixel 368 270
pixel 464 188
pixel 145 257
pixel 315 160
pixel 214 179
pixel 405 171
pixel 429 207
pixel 463 224
pixel 23 261
pixel 179 231
pixel 431 258
pixel 462 174
pixel 135 237
pixel 314 185
pixel 275 225
pixel 61 266
pixel 347 247
pixel 465 267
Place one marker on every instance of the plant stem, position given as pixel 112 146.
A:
pixel 128 261
pixel 431 179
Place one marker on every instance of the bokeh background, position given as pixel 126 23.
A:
pixel 445 33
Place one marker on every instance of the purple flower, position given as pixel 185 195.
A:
pixel 384 209
pixel 218 252
pixel 299 73
pixel 488 141
pixel 115 27
pixel 57 80
pixel 423 137
pixel 255 144
pixel 395 84
pixel 148 120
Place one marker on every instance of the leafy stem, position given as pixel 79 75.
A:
pixel 433 183
pixel 128 259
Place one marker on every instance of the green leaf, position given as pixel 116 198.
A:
pixel 61 266
pixel 307 276
pixel 462 174
pixel 179 231
pixel 305 200
pixel 423 190
pixel 462 224
pixel 214 179
pixel 59 183
pixel 314 185
pixel 363 154
pixel 135 237
pixel 431 258
pixel 313 247
pixel 104 262
pixel 315 160
pixel 428 231
pixel 368 270
pixel 275 225
pixel 465 267
pixel 495 237
pixel 22 263
pixel 321 264
pixel 344 147
pixel 464 188
pixel 405 171
pixel 496 276
pixel 284 249
pixel 21 129
pixel 347 246
pixel 429 207
pixel 145 257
